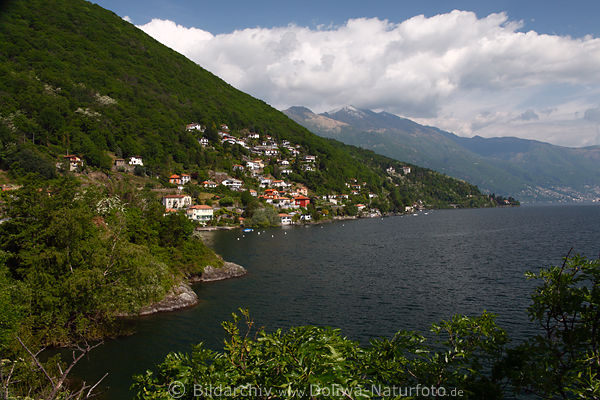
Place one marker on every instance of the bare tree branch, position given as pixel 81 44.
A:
pixel 37 362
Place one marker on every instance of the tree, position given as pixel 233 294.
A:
pixel 564 360
pixel 264 217
pixel 226 202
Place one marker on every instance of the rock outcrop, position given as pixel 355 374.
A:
pixel 227 271
pixel 181 296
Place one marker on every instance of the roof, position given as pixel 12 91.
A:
pixel 301 198
pixel 284 215
pixel 201 207
pixel 175 196
pixel 174 176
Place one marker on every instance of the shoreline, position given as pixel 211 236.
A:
pixel 182 296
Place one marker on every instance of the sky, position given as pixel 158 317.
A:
pixel 525 68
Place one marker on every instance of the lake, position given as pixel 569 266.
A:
pixel 369 277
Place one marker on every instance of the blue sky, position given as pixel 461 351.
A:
pixel 503 68
pixel 576 18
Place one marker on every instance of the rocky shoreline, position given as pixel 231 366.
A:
pixel 183 296
pixel 227 271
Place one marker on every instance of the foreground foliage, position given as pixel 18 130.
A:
pixel 464 357
pixel 72 259
pixel 318 362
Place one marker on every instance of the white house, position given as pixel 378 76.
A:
pixel 177 201
pixel 233 184
pixel 185 178
pixel 254 136
pixel 238 167
pixel 406 170
pixel 271 152
pixel 209 184
pixel 287 171
pixel 278 183
pixel 195 126
pixel 284 162
pixel 203 142
pixel 136 160
pixel 310 159
pixel 286 219
pixel 253 165
pixel 264 182
pixel 201 213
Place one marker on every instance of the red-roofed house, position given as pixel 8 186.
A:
pixel 302 201
pixel 175 179
pixel 74 162
pixel 281 202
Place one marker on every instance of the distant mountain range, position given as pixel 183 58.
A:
pixel 530 170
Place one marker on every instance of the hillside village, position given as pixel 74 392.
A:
pixel 265 160
pixel 261 178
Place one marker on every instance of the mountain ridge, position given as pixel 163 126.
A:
pixel 534 171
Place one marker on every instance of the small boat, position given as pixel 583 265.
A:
pixel 247 230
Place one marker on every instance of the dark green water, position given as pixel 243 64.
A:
pixel 368 277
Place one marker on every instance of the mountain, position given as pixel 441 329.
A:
pixel 76 78
pixel 533 171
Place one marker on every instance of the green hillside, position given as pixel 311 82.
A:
pixel 75 78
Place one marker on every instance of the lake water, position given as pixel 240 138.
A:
pixel 369 277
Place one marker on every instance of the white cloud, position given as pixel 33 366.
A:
pixel 126 18
pixel 450 70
